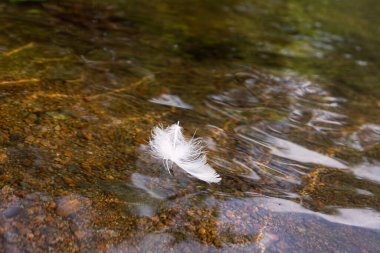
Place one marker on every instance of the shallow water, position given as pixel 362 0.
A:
pixel 285 95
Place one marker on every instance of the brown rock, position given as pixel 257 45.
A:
pixel 69 181
pixel 52 205
pixel 190 213
pixel 45 143
pixel 29 139
pixel 201 231
pixel 155 219
pixel 87 135
pixel 80 234
pixel 30 236
pixel 86 166
pixel 230 214
pixel 3 156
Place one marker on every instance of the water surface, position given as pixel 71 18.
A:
pixel 285 94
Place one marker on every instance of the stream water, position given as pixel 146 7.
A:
pixel 285 94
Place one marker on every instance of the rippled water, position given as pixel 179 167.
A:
pixel 285 95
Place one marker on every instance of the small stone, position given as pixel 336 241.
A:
pixel 7 190
pixel 190 213
pixel 160 225
pixel 27 162
pixel 12 236
pixel 52 205
pixel 69 205
pixel 45 143
pixel 29 139
pixel 30 236
pixel 87 135
pixel 72 167
pixel 49 218
pixel 57 166
pixel 80 234
pixel 201 231
pixel 230 214
pixel 69 181
pixel 86 166
pixel 301 229
pixel 218 243
pixel 37 233
pixel 38 220
pixel 68 153
pixel 190 227
pixel 155 219
pixel 12 211
pixel 14 137
pixel 44 129
pixel 3 156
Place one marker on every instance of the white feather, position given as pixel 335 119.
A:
pixel 170 145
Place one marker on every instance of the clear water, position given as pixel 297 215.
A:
pixel 285 94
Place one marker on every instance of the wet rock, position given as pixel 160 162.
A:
pixel 12 211
pixel 190 213
pixel 230 214
pixel 3 156
pixel 201 231
pixel 6 190
pixel 12 236
pixel 86 135
pixel 52 205
pixel 69 205
pixel 14 137
pixel 29 139
pixel 73 167
pixel 80 234
pixel 70 182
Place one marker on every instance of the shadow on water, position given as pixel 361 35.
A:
pixel 294 137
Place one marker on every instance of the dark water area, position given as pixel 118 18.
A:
pixel 285 94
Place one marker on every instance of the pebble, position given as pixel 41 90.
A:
pixel 86 166
pixel 3 156
pixel 45 143
pixel 190 213
pixel 87 135
pixel 70 182
pixel 201 231
pixel 52 205
pixel 29 139
pixel 80 234
pixel 230 213
pixel 69 205
pixel 12 211
pixel 12 236
pixel 14 137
